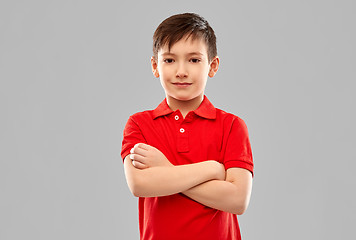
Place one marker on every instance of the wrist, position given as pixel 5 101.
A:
pixel 217 170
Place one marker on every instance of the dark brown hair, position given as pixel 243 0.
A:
pixel 174 28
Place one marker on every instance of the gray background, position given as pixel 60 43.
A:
pixel 72 72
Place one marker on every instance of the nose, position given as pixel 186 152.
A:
pixel 182 71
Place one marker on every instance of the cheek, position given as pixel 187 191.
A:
pixel 165 82
pixel 200 73
pixel 165 73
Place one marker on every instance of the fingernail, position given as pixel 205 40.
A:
pixel 131 151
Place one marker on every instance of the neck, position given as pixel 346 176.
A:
pixel 184 106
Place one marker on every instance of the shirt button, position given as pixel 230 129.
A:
pixel 182 130
pixel 176 117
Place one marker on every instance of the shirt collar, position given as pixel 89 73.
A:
pixel 206 109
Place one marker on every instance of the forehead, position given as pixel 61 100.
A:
pixel 185 45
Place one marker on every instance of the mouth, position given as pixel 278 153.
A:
pixel 182 84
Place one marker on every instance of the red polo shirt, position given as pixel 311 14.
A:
pixel 206 133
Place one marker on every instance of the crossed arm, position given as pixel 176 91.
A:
pixel 149 174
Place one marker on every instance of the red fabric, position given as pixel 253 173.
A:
pixel 209 134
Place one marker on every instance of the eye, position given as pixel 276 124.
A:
pixel 168 60
pixel 195 60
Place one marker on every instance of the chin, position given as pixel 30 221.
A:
pixel 183 98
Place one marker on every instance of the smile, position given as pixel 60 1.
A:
pixel 182 84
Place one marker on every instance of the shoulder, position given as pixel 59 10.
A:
pixel 228 118
pixel 141 116
pixel 139 120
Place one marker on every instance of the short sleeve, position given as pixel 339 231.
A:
pixel 238 148
pixel 132 136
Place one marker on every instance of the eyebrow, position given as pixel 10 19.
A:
pixel 191 53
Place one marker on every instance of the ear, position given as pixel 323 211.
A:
pixel 154 67
pixel 214 66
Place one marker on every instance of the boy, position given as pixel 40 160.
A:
pixel 189 163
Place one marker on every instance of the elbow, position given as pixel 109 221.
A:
pixel 240 207
pixel 240 203
pixel 239 210
pixel 136 187
pixel 137 194
pixel 137 191
pixel 134 179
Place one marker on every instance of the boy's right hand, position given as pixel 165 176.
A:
pixel 218 168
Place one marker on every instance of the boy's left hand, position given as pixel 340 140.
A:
pixel 145 156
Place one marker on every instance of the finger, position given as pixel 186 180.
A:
pixel 138 165
pixel 143 146
pixel 137 157
pixel 139 151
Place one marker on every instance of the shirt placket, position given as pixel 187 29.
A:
pixel 183 133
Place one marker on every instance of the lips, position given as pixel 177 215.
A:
pixel 182 84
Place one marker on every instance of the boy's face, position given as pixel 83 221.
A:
pixel 184 69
